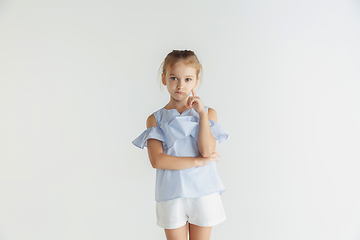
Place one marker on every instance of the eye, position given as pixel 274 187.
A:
pixel 188 79
pixel 173 78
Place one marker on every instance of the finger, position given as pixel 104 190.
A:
pixel 215 152
pixel 216 155
pixel 189 101
pixel 193 92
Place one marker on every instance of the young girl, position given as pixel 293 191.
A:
pixel 181 139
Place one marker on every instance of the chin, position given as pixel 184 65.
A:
pixel 179 98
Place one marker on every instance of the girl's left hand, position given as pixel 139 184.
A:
pixel 196 103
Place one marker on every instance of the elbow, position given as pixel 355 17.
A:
pixel 206 152
pixel 155 166
pixel 154 160
pixel 207 148
pixel 153 163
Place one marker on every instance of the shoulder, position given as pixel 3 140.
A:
pixel 154 118
pixel 151 121
pixel 212 115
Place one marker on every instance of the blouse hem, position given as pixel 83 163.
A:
pixel 183 196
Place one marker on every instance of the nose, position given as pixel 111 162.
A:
pixel 179 85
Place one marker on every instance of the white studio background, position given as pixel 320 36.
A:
pixel 79 78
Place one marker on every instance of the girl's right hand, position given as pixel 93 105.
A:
pixel 203 161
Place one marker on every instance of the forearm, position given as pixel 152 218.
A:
pixel 206 141
pixel 165 161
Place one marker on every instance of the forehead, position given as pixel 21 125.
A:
pixel 181 68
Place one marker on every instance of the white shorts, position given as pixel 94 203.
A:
pixel 205 211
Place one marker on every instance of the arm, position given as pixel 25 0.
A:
pixel 206 141
pixel 160 160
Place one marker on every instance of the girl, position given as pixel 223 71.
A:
pixel 181 139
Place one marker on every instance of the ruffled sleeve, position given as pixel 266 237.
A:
pixel 150 133
pixel 218 132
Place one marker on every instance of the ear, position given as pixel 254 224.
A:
pixel 197 81
pixel 163 79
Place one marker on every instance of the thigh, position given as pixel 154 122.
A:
pixel 199 233
pixel 206 211
pixel 177 233
pixel 171 214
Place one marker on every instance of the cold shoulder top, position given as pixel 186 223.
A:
pixel 179 133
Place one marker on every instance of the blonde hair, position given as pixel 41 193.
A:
pixel 188 57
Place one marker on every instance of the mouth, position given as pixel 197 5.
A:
pixel 180 92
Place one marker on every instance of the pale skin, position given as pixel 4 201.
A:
pixel 180 82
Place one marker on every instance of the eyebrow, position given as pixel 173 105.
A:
pixel 185 76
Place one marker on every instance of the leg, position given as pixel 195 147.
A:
pixel 177 233
pixel 199 233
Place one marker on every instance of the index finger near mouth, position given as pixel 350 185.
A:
pixel 193 92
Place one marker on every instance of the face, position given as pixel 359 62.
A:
pixel 180 80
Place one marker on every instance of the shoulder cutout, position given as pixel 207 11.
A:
pixel 151 121
pixel 212 115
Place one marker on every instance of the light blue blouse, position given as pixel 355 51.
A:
pixel 179 133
